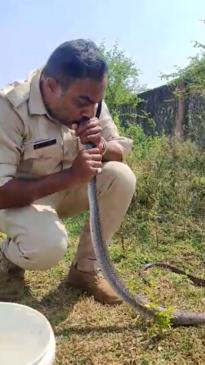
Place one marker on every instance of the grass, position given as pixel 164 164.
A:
pixel 90 333
pixel 156 228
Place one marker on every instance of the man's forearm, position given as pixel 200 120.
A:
pixel 21 192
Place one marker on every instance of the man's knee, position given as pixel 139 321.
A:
pixel 37 237
pixel 39 249
pixel 46 248
pixel 120 177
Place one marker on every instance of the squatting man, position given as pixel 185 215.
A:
pixel 45 122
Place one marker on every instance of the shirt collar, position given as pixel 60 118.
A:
pixel 35 103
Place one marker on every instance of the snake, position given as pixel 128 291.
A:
pixel 139 302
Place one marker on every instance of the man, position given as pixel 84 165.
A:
pixel 44 168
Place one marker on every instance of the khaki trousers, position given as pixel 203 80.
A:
pixel 37 238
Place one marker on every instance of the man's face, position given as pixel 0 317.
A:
pixel 78 102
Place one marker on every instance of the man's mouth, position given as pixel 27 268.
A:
pixel 83 119
pixel 76 123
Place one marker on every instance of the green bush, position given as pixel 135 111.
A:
pixel 169 203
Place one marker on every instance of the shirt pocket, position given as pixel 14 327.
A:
pixel 41 158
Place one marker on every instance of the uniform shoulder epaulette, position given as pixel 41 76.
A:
pixel 17 93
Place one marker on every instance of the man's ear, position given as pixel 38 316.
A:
pixel 53 87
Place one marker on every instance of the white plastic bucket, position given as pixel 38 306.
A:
pixel 26 336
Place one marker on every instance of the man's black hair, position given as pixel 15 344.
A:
pixel 76 59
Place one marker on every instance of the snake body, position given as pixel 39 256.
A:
pixel 139 302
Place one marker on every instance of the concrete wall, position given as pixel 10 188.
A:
pixel 167 109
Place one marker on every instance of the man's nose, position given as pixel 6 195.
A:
pixel 89 111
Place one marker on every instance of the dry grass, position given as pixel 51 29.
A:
pixel 90 333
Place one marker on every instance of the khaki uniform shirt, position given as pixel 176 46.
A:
pixel 32 144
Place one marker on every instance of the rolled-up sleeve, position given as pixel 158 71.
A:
pixel 110 131
pixel 11 136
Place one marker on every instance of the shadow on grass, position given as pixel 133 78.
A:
pixel 60 302
pixel 84 331
pixel 56 305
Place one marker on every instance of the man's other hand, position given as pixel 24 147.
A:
pixel 89 131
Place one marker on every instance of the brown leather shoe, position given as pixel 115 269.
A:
pixel 94 283
pixel 12 282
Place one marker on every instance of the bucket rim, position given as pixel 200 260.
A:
pixel 51 338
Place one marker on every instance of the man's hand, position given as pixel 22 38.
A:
pixel 86 165
pixel 89 131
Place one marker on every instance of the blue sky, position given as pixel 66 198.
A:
pixel 156 34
